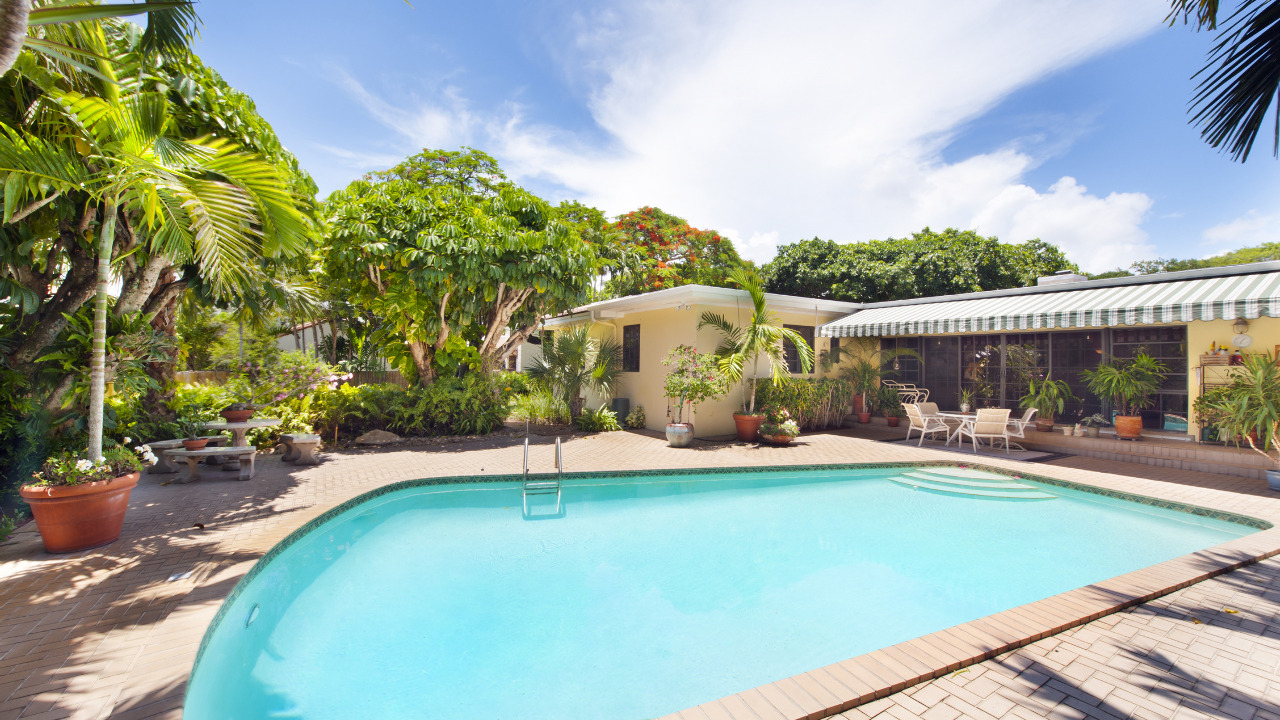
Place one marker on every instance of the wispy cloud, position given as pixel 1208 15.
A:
pixel 786 121
pixel 1253 228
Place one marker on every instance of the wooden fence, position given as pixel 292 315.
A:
pixel 361 377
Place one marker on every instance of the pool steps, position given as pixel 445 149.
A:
pixel 969 483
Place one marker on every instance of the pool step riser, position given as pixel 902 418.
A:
pixel 975 493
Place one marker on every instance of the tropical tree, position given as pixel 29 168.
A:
pixel 760 337
pixel 926 264
pixel 1242 75
pixel 664 251
pixel 471 256
pixel 120 156
pixel 574 361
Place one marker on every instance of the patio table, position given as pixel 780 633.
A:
pixel 239 433
pixel 962 420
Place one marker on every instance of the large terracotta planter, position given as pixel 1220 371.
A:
pixel 748 426
pixel 864 417
pixel 893 420
pixel 1128 427
pixel 778 439
pixel 236 416
pixel 679 434
pixel 79 517
pixel 1044 424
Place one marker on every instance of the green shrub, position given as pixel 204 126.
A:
pixel 635 418
pixel 472 405
pixel 541 407
pixel 9 523
pixel 602 420
pixel 813 403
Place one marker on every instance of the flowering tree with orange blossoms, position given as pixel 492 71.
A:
pixel 669 253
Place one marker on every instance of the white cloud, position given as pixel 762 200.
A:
pixel 786 121
pixel 1253 228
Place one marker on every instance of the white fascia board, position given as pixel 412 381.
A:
pixel 710 296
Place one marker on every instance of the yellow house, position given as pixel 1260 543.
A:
pixel 990 343
pixel 648 326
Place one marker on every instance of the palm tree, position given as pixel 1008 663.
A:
pixel 1242 75
pixel 761 337
pixel 202 202
pixel 170 26
pixel 573 361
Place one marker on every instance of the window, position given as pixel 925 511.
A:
pixel 512 360
pixel 793 357
pixel 631 348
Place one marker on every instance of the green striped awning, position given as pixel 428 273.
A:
pixel 1214 298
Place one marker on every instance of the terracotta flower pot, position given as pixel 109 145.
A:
pixel 1128 427
pixel 679 434
pixel 864 417
pixel 236 416
pixel 1044 424
pixel 195 444
pixel 778 439
pixel 893 420
pixel 748 426
pixel 79 517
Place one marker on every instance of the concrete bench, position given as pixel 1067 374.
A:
pixel 242 454
pixel 300 448
pixel 164 464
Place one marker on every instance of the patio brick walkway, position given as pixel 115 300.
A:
pixel 113 632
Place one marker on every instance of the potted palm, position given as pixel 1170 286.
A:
pixel 1249 407
pixel 779 428
pixel 742 346
pixel 79 503
pixel 694 377
pixel 890 404
pixel 864 372
pixel 1131 383
pixel 1049 397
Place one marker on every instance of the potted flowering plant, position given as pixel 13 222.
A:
pixel 778 427
pixel 693 378
pixel 80 504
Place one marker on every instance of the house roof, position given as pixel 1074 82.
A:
pixel 1234 291
pixel 704 295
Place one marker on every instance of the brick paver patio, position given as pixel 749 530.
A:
pixel 113 632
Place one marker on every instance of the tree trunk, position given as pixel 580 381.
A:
pixel 73 292
pixel 333 341
pixel 315 338
pixel 13 31
pixel 97 362
pixel 423 356
pixel 163 307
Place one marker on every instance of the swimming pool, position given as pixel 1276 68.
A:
pixel 648 594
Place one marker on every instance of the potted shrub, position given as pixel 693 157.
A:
pixel 1249 407
pixel 1131 384
pixel 189 428
pixel 1048 397
pixel 694 377
pixel 890 405
pixel 238 412
pixel 743 346
pixel 1092 423
pixel 80 504
pixel 966 400
pixel 778 427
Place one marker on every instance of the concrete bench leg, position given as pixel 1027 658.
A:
pixel 164 464
pixel 246 467
pixel 291 453
pixel 305 453
pixel 193 465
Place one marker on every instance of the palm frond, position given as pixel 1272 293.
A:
pixel 1241 80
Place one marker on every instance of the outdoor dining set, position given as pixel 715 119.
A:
pixel 988 424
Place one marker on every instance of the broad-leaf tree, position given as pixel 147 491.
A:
pixel 659 250
pixel 924 265
pixel 435 254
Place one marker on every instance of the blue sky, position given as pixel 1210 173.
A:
pixel 775 122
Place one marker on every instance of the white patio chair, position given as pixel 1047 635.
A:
pixel 1018 426
pixel 990 423
pixel 928 409
pixel 926 424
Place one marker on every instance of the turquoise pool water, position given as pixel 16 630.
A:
pixel 646 596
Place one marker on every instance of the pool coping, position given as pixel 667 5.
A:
pixel 835 688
